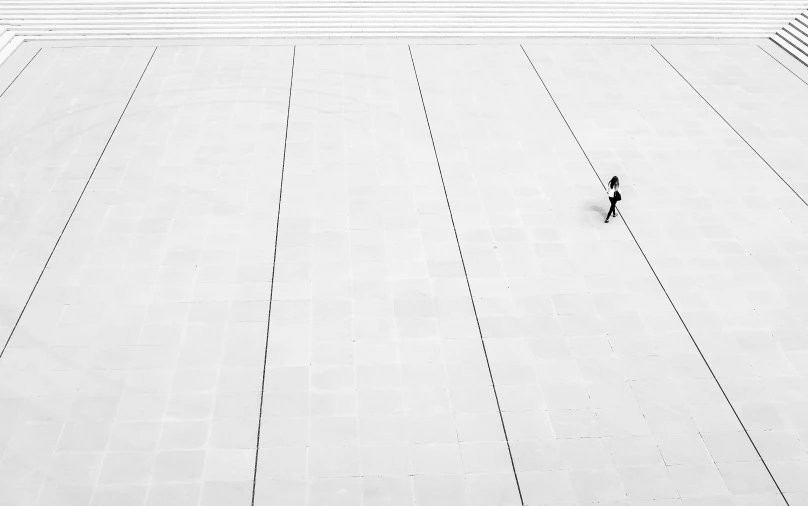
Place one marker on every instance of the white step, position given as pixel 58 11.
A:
pixel 393 30
pixel 434 23
pixel 12 18
pixel 5 38
pixel 6 50
pixel 49 20
pixel 799 36
pixel 793 46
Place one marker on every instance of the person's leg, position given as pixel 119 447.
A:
pixel 611 209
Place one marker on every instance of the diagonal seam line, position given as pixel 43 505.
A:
pixel 729 125
pixel 272 280
pixel 20 73
pixel 622 217
pixel 677 311
pixel 78 201
pixel 781 63
pixel 466 275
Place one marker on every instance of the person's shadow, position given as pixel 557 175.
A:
pixel 598 209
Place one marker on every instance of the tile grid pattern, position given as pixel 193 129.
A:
pixel 735 274
pixel 730 125
pixel 623 218
pixel 764 104
pixel 134 376
pixel 20 73
pixel 78 200
pixel 500 410
pixel 272 278
pixel 55 121
pixel 466 275
pixel 600 382
pixel 379 389
pixel 783 65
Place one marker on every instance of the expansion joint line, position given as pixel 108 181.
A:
pixel 622 217
pixel 782 64
pixel 272 279
pixel 729 125
pixel 466 275
pixel 78 201
pixel 20 73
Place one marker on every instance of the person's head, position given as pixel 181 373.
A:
pixel 614 182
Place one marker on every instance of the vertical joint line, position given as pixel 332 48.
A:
pixel 653 271
pixel 272 280
pixel 466 275
pixel 78 201
pixel 729 125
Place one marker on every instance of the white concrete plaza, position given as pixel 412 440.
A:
pixel 378 275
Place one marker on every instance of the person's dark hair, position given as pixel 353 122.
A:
pixel 614 182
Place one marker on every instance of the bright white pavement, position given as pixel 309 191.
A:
pixel 433 324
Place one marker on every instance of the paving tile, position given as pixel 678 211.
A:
pixel 730 447
pixel 604 377
pixel 216 492
pixel 388 491
pixel 55 122
pixel 597 485
pixel 698 480
pixel 127 468
pixel 181 494
pixel 337 491
pixel 496 489
pixel 745 478
pixel 231 465
pixel 373 341
pixel 485 457
pixel 779 445
pixel 790 475
pixel 547 487
pixel 283 462
pixel 125 495
pixel 757 95
pixel 648 483
pixel 440 490
pixel 717 262
pixel 283 491
pixel 179 466
pixel 681 449
pixel 69 495
pixel 333 461
pixel 136 374
pixel 145 354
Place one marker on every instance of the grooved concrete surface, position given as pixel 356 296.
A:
pixel 169 325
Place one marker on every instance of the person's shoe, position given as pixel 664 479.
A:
pixel 607 220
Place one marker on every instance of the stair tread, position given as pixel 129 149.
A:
pixel 53 20
pixel 797 34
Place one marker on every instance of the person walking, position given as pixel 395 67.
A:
pixel 613 191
